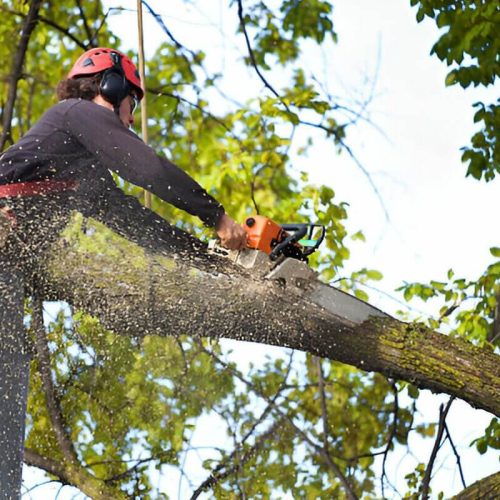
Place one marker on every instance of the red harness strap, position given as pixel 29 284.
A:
pixel 21 189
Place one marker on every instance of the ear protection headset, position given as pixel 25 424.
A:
pixel 114 86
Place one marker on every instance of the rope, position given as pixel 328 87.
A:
pixel 142 74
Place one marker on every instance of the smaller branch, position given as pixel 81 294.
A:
pixel 164 27
pixel 459 463
pixel 53 406
pixel 48 22
pixel 324 411
pixel 52 467
pixel 220 473
pixel 392 435
pixel 252 56
pixel 328 130
pixel 29 24
pixel 319 450
pixel 133 469
pixel 93 38
pixel 158 92
pixel 437 443
pixel 85 22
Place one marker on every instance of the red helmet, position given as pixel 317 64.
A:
pixel 98 60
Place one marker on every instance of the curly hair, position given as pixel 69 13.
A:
pixel 80 88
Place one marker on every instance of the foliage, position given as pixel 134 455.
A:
pixel 470 306
pixel 470 44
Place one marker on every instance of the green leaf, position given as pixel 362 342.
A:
pixel 495 251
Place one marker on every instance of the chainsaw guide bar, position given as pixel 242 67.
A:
pixel 296 277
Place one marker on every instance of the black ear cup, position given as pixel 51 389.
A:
pixel 114 87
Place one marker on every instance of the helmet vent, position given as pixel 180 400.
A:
pixel 88 62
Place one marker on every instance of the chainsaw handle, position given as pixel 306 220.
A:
pixel 312 227
pixel 299 231
pixel 309 230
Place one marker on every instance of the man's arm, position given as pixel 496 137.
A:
pixel 100 131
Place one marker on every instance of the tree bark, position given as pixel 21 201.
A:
pixel 139 292
pixel 489 487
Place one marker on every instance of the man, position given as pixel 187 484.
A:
pixel 92 123
pixel 62 164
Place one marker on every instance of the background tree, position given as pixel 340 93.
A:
pixel 119 406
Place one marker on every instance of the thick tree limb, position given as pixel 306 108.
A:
pixel 29 24
pixel 109 277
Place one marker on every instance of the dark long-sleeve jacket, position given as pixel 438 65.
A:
pixel 76 130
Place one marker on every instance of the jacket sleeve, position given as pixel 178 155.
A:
pixel 118 149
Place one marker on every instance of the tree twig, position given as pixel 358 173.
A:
pixel 83 17
pixel 48 22
pixel 220 473
pixel 319 449
pixel 322 395
pixel 328 130
pixel 443 412
pixel 392 434
pixel 457 456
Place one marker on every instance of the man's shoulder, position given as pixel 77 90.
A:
pixel 70 104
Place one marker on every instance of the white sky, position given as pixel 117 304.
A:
pixel 438 219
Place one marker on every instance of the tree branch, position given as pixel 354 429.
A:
pixel 328 130
pixel 43 354
pixel 83 17
pixel 392 435
pixel 219 473
pixel 457 456
pixel 247 309
pixel 51 23
pixel 324 416
pixel 28 26
pixel 437 444
pixel 75 474
pixel 319 450
pixel 52 467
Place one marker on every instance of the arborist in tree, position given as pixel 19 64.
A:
pixel 64 164
pixel 89 130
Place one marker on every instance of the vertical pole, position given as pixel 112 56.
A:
pixel 142 74
pixel 14 380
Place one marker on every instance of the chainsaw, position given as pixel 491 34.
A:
pixel 289 240
pixel 279 253
pixel 276 251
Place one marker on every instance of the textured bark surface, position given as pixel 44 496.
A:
pixel 139 292
pixel 487 488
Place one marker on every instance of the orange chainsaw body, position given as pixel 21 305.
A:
pixel 262 233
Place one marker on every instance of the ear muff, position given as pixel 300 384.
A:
pixel 114 87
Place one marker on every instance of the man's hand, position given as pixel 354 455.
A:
pixel 232 235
